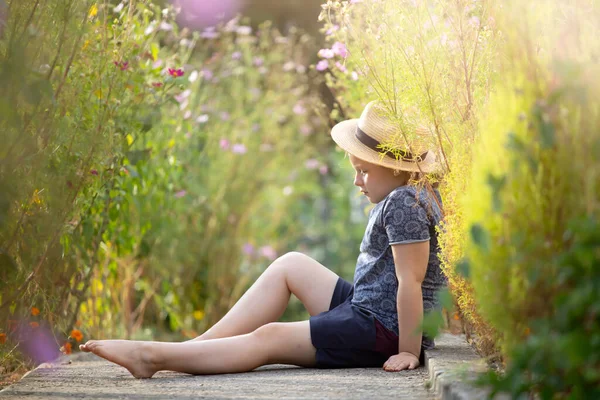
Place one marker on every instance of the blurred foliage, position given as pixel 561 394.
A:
pixel 149 174
pixel 533 204
pixel 431 63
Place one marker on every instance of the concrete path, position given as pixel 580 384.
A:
pixel 86 376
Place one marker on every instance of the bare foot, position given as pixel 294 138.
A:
pixel 138 357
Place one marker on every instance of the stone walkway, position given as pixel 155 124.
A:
pixel 86 376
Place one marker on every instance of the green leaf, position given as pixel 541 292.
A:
pixel 480 237
pixel 463 268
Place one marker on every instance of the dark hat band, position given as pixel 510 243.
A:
pixel 376 146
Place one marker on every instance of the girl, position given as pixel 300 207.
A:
pixel 373 323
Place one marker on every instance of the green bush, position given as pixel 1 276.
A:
pixel 534 202
pixel 73 91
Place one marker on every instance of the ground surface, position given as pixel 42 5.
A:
pixel 86 376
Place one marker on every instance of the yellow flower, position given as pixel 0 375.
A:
pixel 198 314
pixel 93 11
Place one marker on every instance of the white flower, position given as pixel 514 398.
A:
pixel 244 30
pixel 118 8
pixel 193 76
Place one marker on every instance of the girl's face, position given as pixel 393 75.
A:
pixel 375 181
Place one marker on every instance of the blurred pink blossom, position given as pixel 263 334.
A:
pixel 340 49
pixel 258 61
pixel 224 115
pixel 209 33
pixel 202 119
pixel 312 163
pixel 322 65
pixel 239 148
pixel 268 252
pixel 180 194
pixel 248 249
pixel 224 144
pixel 326 53
pixel 305 130
pixel 340 66
pixel 236 55
pixel 333 29
pixel 299 109
pixel 175 72
pixel 206 74
pixel 200 14
pixel 323 169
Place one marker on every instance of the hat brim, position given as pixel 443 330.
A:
pixel 344 134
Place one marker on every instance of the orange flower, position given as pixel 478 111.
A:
pixel 456 317
pixel 66 348
pixel 2 338
pixel 77 335
pixel 35 311
pixel 34 324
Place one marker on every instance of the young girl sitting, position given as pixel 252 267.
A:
pixel 372 323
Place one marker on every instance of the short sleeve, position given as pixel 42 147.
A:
pixel 404 218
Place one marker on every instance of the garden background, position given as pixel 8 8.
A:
pixel 156 157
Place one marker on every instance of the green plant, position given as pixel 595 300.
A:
pixel 533 202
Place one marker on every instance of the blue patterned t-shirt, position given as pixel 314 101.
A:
pixel 407 215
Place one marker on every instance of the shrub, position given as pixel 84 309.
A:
pixel 533 203
pixel 73 92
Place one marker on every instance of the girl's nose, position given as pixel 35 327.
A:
pixel 357 180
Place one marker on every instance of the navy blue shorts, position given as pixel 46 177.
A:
pixel 347 336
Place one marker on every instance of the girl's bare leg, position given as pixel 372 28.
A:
pixel 267 298
pixel 274 343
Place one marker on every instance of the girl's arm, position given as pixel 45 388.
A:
pixel 411 265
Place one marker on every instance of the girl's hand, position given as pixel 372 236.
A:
pixel 401 362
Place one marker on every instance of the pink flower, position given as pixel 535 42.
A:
pixel 258 61
pixel 299 109
pixel 207 74
pixel 180 194
pixel 305 130
pixel 123 65
pixel 340 49
pixel 268 252
pixel 209 33
pixel 157 84
pixel 312 164
pixel 239 149
pixel 333 28
pixel 341 66
pixel 236 55
pixel 322 65
pixel 326 53
pixel 248 249
pixel 224 144
pixel 323 169
pixel 94 172
pixel 176 72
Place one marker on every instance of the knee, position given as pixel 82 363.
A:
pixel 288 260
pixel 266 336
pixel 268 331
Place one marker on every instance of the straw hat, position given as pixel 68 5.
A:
pixel 363 138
